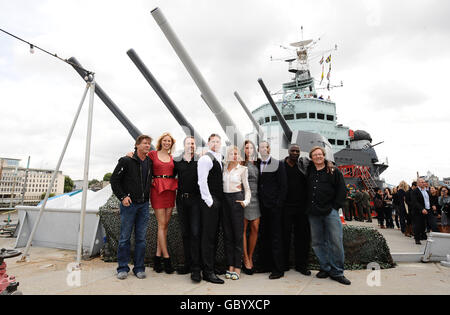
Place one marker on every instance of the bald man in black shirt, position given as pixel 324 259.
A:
pixel 294 214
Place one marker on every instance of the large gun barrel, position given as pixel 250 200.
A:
pixel 250 116
pixel 222 116
pixel 187 127
pixel 286 130
pixel 134 132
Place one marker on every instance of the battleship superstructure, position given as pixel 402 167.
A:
pixel 301 106
pixel 304 109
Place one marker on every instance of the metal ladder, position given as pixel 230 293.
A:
pixel 368 181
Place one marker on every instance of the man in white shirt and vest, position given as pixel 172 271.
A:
pixel 210 182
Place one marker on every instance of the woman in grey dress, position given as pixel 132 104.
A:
pixel 252 213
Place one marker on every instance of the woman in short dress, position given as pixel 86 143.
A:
pixel 252 213
pixel 162 197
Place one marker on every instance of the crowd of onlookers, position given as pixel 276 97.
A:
pixel 415 209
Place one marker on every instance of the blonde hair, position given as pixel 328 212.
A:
pixel 317 148
pixel 403 185
pixel 232 149
pixel 160 139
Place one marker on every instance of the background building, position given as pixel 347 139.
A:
pixel 12 183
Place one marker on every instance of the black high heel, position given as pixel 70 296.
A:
pixel 247 271
pixel 157 264
pixel 168 266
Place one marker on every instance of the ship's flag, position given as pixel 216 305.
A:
pixel 329 73
pixel 328 59
pixel 321 79
pixel 321 60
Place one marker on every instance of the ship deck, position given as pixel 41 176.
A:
pixel 46 273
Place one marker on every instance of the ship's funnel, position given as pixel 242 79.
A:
pixel 250 116
pixel 222 116
pixel 134 132
pixel 187 127
pixel 286 130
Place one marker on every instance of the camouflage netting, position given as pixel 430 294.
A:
pixel 361 245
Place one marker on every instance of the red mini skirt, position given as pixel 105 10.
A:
pixel 163 200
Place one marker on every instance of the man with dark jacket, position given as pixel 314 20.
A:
pixel 326 194
pixel 421 211
pixel 130 182
pixel 272 189
pixel 294 218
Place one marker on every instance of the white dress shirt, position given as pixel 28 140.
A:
pixel 426 198
pixel 204 165
pixel 264 164
pixel 232 181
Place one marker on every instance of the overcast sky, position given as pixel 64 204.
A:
pixel 393 57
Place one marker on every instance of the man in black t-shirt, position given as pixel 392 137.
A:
pixel 294 217
pixel 188 207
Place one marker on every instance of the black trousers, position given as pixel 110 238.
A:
pixel 188 208
pixel 209 231
pixel 271 239
pixel 403 217
pixel 294 220
pixel 233 229
pixel 388 217
pixel 420 222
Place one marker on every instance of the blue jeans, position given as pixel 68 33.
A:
pixel 327 243
pixel 137 216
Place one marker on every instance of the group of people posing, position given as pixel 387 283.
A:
pixel 417 209
pixel 247 193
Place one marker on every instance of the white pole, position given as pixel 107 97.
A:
pixel 44 203
pixel 86 173
pixel 24 188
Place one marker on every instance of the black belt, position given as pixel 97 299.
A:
pixel 163 176
pixel 188 195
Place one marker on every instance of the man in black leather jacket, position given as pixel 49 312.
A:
pixel 130 183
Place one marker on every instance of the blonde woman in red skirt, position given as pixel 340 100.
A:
pixel 162 197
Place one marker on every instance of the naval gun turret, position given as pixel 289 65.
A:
pixel 279 140
pixel 187 127
pixel 134 132
pixel 207 94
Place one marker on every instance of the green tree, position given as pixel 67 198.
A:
pixel 107 177
pixel 68 184
pixel 49 196
pixel 93 182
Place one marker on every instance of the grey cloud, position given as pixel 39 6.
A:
pixel 395 95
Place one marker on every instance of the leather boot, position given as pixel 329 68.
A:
pixel 168 266
pixel 157 264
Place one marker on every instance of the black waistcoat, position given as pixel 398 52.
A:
pixel 215 180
